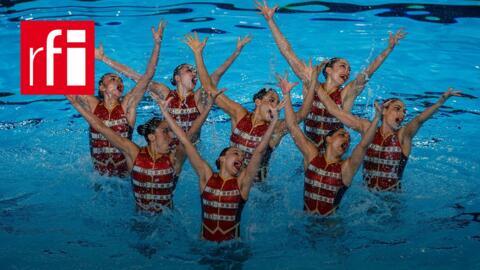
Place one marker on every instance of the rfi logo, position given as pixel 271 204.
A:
pixel 57 57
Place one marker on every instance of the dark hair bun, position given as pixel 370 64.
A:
pixel 141 129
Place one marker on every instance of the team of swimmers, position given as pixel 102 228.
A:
pixel 384 146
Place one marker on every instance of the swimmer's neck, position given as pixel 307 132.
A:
pixel 386 129
pixel 156 151
pixel 224 174
pixel 331 156
pixel 183 92
pixel 256 118
pixel 110 102
pixel 330 86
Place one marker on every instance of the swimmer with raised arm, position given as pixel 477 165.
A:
pixel 388 154
pixel 118 113
pixel 186 104
pixel 154 169
pixel 223 193
pixel 249 127
pixel 336 72
pixel 327 174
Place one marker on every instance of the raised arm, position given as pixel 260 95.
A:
pixel 131 100
pixel 231 107
pixel 128 148
pixel 308 91
pixel 345 117
pixel 246 177
pixel 218 73
pixel 310 83
pixel 308 149
pixel 351 165
pixel 355 87
pixel 283 45
pixel 88 102
pixel 158 87
pixel 201 167
pixel 408 132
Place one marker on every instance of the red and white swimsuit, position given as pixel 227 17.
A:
pixel 319 121
pixel 184 112
pixel 384 162
pixel 153 181
pixel 323 186
pixel 222 206
pixel 106 158
pixel 246 137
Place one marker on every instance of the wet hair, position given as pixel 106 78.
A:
pixel 149 127
pixel 224 151
pixel 330 64
pixel 263 92
pixel 100 82
pixel 390 100
pixel 177 70
pixel 330 134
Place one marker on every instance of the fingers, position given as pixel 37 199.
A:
pixel 281 105
pixel 378 108
pixel 278 78
pixel 70 98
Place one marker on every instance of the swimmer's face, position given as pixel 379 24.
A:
pixel 394 114
pixel 269 100
pixel 339 72
pixel 112 86
pixel 187 77
pixel 339 142
pixel 162 136
pixel 232 161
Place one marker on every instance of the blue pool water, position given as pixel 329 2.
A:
pixel 56 212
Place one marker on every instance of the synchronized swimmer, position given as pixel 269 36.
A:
pixel 384 146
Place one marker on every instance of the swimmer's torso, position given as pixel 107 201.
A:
pixel 384 162
pixel 184 112
pixel 222 206
pixel 319 121
pixel 246 137
pixel 153 181
pixel 323 186
pixel 106 158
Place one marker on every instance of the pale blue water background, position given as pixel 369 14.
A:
pixel 55 212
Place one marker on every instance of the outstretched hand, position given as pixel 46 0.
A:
pixel 394 39
pixel 451 92
pixel 284 84
pixel 273 111
pixel 311 71
pixel 379 109
pixel 158 34
pixel 265 10
pixel 241 42
pixel 211 98
pixel 194 42
pixel 99 53
pixel 72 99
pixel 162 103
